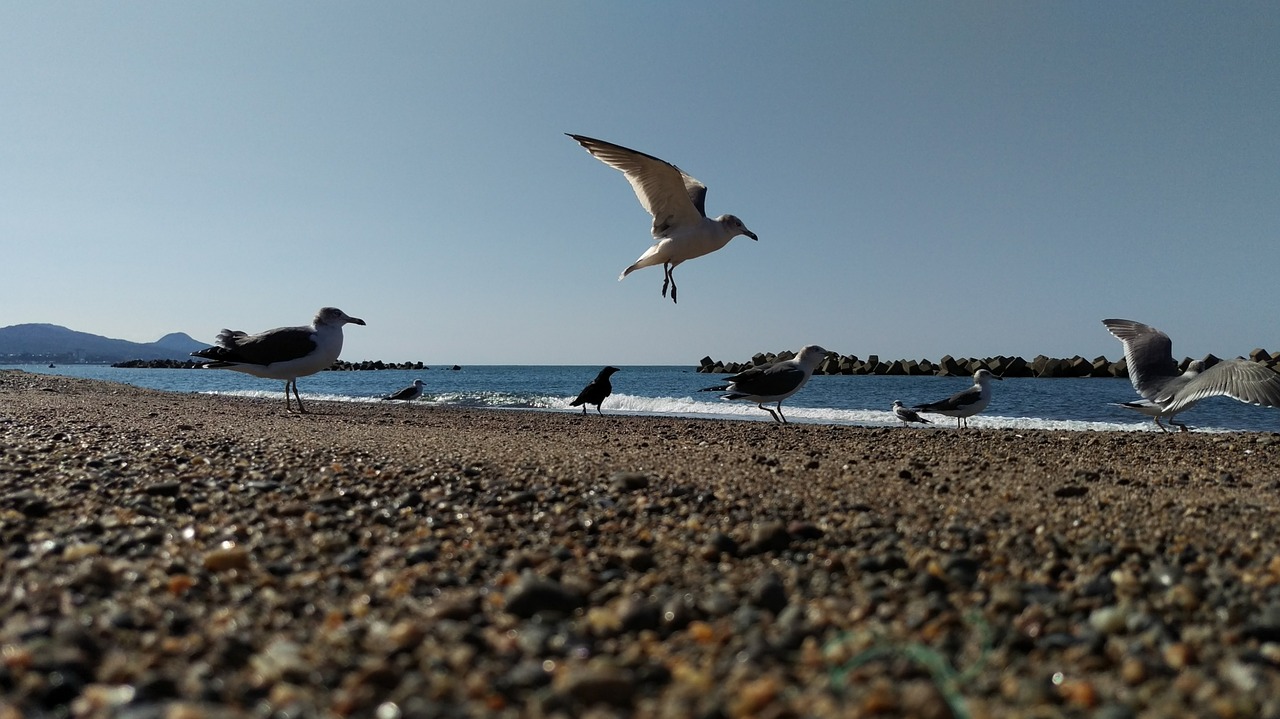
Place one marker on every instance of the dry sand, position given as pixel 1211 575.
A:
pixel 184 555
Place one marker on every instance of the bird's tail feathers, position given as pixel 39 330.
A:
pixel 227 338
pixel 648 259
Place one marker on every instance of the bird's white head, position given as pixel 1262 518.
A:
pixel 811 355
pixel 983 376
pixel 734 225
pixel 336 317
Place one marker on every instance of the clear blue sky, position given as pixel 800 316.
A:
pixel 926 178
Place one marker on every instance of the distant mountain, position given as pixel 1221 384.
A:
pixel 54 343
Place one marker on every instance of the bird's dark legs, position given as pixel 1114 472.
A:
pixel 668 279
pixel 773 414
pixel 584 409
pixel 1161 426
pixel 597 410
pixel 1181 427
pixel 294 383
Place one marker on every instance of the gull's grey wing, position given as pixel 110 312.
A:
pixel 1239 379
pixel 1148 352
pixel 768 381
pixel 278 345
pixel 407 393
pixel 669 194
pixel 955 401
pixel 908 415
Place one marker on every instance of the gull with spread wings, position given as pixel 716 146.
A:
pixel 1148 352
pixel 681 228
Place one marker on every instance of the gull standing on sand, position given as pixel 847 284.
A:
pixel 1148 352
pixel 906 414
pixel 409 393
pixel 595 391
pixel 681 228
pixel 285 353
pixel 963 405
pixel 774 382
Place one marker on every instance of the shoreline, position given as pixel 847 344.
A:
pixel 217 553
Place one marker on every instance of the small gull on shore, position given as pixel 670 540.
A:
pixel 596 391
pixel 285 353
pixel 409 393
pixel 681 228
pixel 774 382
pixel 1165 392
pixel 906 414
pixel 963 405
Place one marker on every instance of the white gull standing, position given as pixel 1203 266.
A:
pixel 408 394
pixel 906 414
pixel 285 353
pixel 774 382
pixel 681 228
pixel 1148 352
pixel 963 405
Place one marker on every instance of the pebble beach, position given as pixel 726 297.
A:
pixel 180 555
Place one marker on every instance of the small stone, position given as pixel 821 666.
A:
pixel 638 558
pixel 228 556
pixel 598 684
pixel 163 489
pixel 805 530
pixel 533 594
pixel 767 537
pixel 1108 620
pixel 769 592
pixel 722 543
pixel 629 481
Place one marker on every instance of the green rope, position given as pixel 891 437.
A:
pixel 947 680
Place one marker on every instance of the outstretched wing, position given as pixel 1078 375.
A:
pixel 673 197
pixel 1148 352
pixel 1239 379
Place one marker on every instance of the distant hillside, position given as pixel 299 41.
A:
pixel 53 343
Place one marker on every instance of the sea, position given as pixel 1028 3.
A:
pixel 1076 404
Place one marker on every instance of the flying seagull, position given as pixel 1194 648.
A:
pixel 595 391
pixel 774 382
pixel 906 414
pixel 681 228
pixel 1148 352
pixel 409 393
pixel 963 405
pixel 285 353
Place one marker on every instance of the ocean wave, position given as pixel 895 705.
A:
pixel 627 404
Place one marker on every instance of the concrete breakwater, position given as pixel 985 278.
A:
pixel 1040 366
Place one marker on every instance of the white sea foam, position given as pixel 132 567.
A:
pixel 628 404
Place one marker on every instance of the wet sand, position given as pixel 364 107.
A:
pixel 186 555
